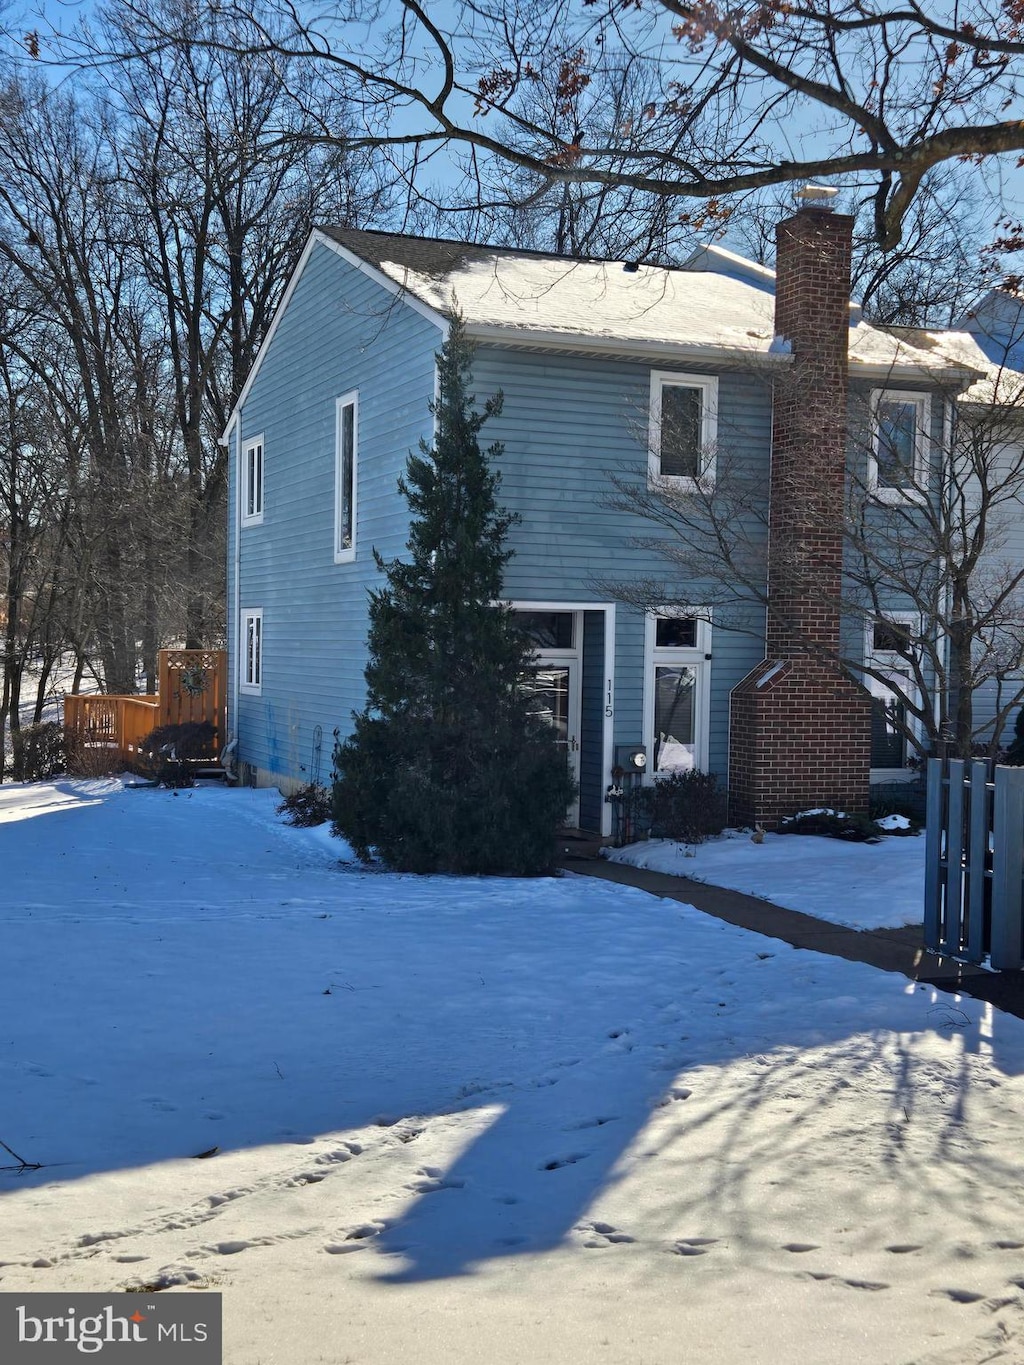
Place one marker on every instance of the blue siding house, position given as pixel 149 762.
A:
pixel 610 371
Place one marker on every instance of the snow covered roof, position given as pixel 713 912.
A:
pixel 528 298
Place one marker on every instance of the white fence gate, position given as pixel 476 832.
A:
pixel 974 869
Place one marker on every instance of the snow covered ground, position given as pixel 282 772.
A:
pixel 865 886
pixel 461 1121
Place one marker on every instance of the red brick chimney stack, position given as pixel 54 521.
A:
pixel 800 731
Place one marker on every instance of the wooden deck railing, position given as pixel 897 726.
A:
pixel 114 723
pixel 193 688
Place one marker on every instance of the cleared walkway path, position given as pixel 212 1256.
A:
pixel 891 950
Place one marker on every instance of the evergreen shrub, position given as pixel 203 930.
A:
pixel 855 829
pixel 447 770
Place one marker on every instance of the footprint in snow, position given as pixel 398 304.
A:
pixel 678 1092
pixel 433 1181
pixel 598 1122
pixel 356 1239
pixel 957 1295
pixel 556 1163
pixel 693 1246
pixel 603 1235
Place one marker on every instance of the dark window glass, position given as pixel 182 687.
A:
pixel 346 476
pixel 547 629
pixel 896 444
pixel 680 431
pixel 676 632
pixel 891 637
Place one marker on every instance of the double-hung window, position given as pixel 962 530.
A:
pixel 252 482
pixel 251 650
pixel 676 701
pixel 683 428
pixel 899 445
pixel 346 447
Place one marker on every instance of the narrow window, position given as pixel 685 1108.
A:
pixel 684 421
pixel 889 647
pixel 899 444
pixel 346 439
pixel 252 482
pixel 251 660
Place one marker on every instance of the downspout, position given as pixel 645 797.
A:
pixel 229 751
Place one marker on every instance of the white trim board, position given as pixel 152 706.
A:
pixel 608 725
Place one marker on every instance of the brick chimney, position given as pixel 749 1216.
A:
pixel 800 729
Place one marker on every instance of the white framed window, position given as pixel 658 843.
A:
pixel 888 648
pixel 252 482
pixel 346 448
pixel 683 428
pixel 677 691
pixel 250 650
pixel 900 442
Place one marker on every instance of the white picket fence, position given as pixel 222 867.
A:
pixel 974 869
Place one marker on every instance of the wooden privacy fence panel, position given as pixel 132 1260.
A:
pixel 193 687
pixel 974 862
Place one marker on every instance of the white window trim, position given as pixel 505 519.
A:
pixel 254 518
pixel 699 659
pixel 883 658
pixel 708 385
pixel 922 445
pixel 345 555
pixel 253 687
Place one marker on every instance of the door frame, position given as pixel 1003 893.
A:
pixel 608 669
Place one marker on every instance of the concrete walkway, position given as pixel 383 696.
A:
pixel 891 950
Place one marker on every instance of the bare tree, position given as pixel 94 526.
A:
pixel 223 179
pixel 744 96
pixel 60 234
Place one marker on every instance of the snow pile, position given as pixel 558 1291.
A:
pixel 542 1121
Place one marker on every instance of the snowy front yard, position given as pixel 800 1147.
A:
pixel 468 1121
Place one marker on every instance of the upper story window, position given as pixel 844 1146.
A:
pixel 684 427
pixel 251 650
pixel 252 482
pixel 899 444
pixel 346 456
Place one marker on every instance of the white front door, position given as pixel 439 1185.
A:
pixel 554 693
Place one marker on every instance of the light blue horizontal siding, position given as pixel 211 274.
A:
pixel 340 332
pixel 569 426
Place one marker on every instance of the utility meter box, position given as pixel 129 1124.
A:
pixel 631 758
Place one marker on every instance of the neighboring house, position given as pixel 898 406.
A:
pixel 609 370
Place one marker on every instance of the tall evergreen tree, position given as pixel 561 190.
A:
pixel 447 769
